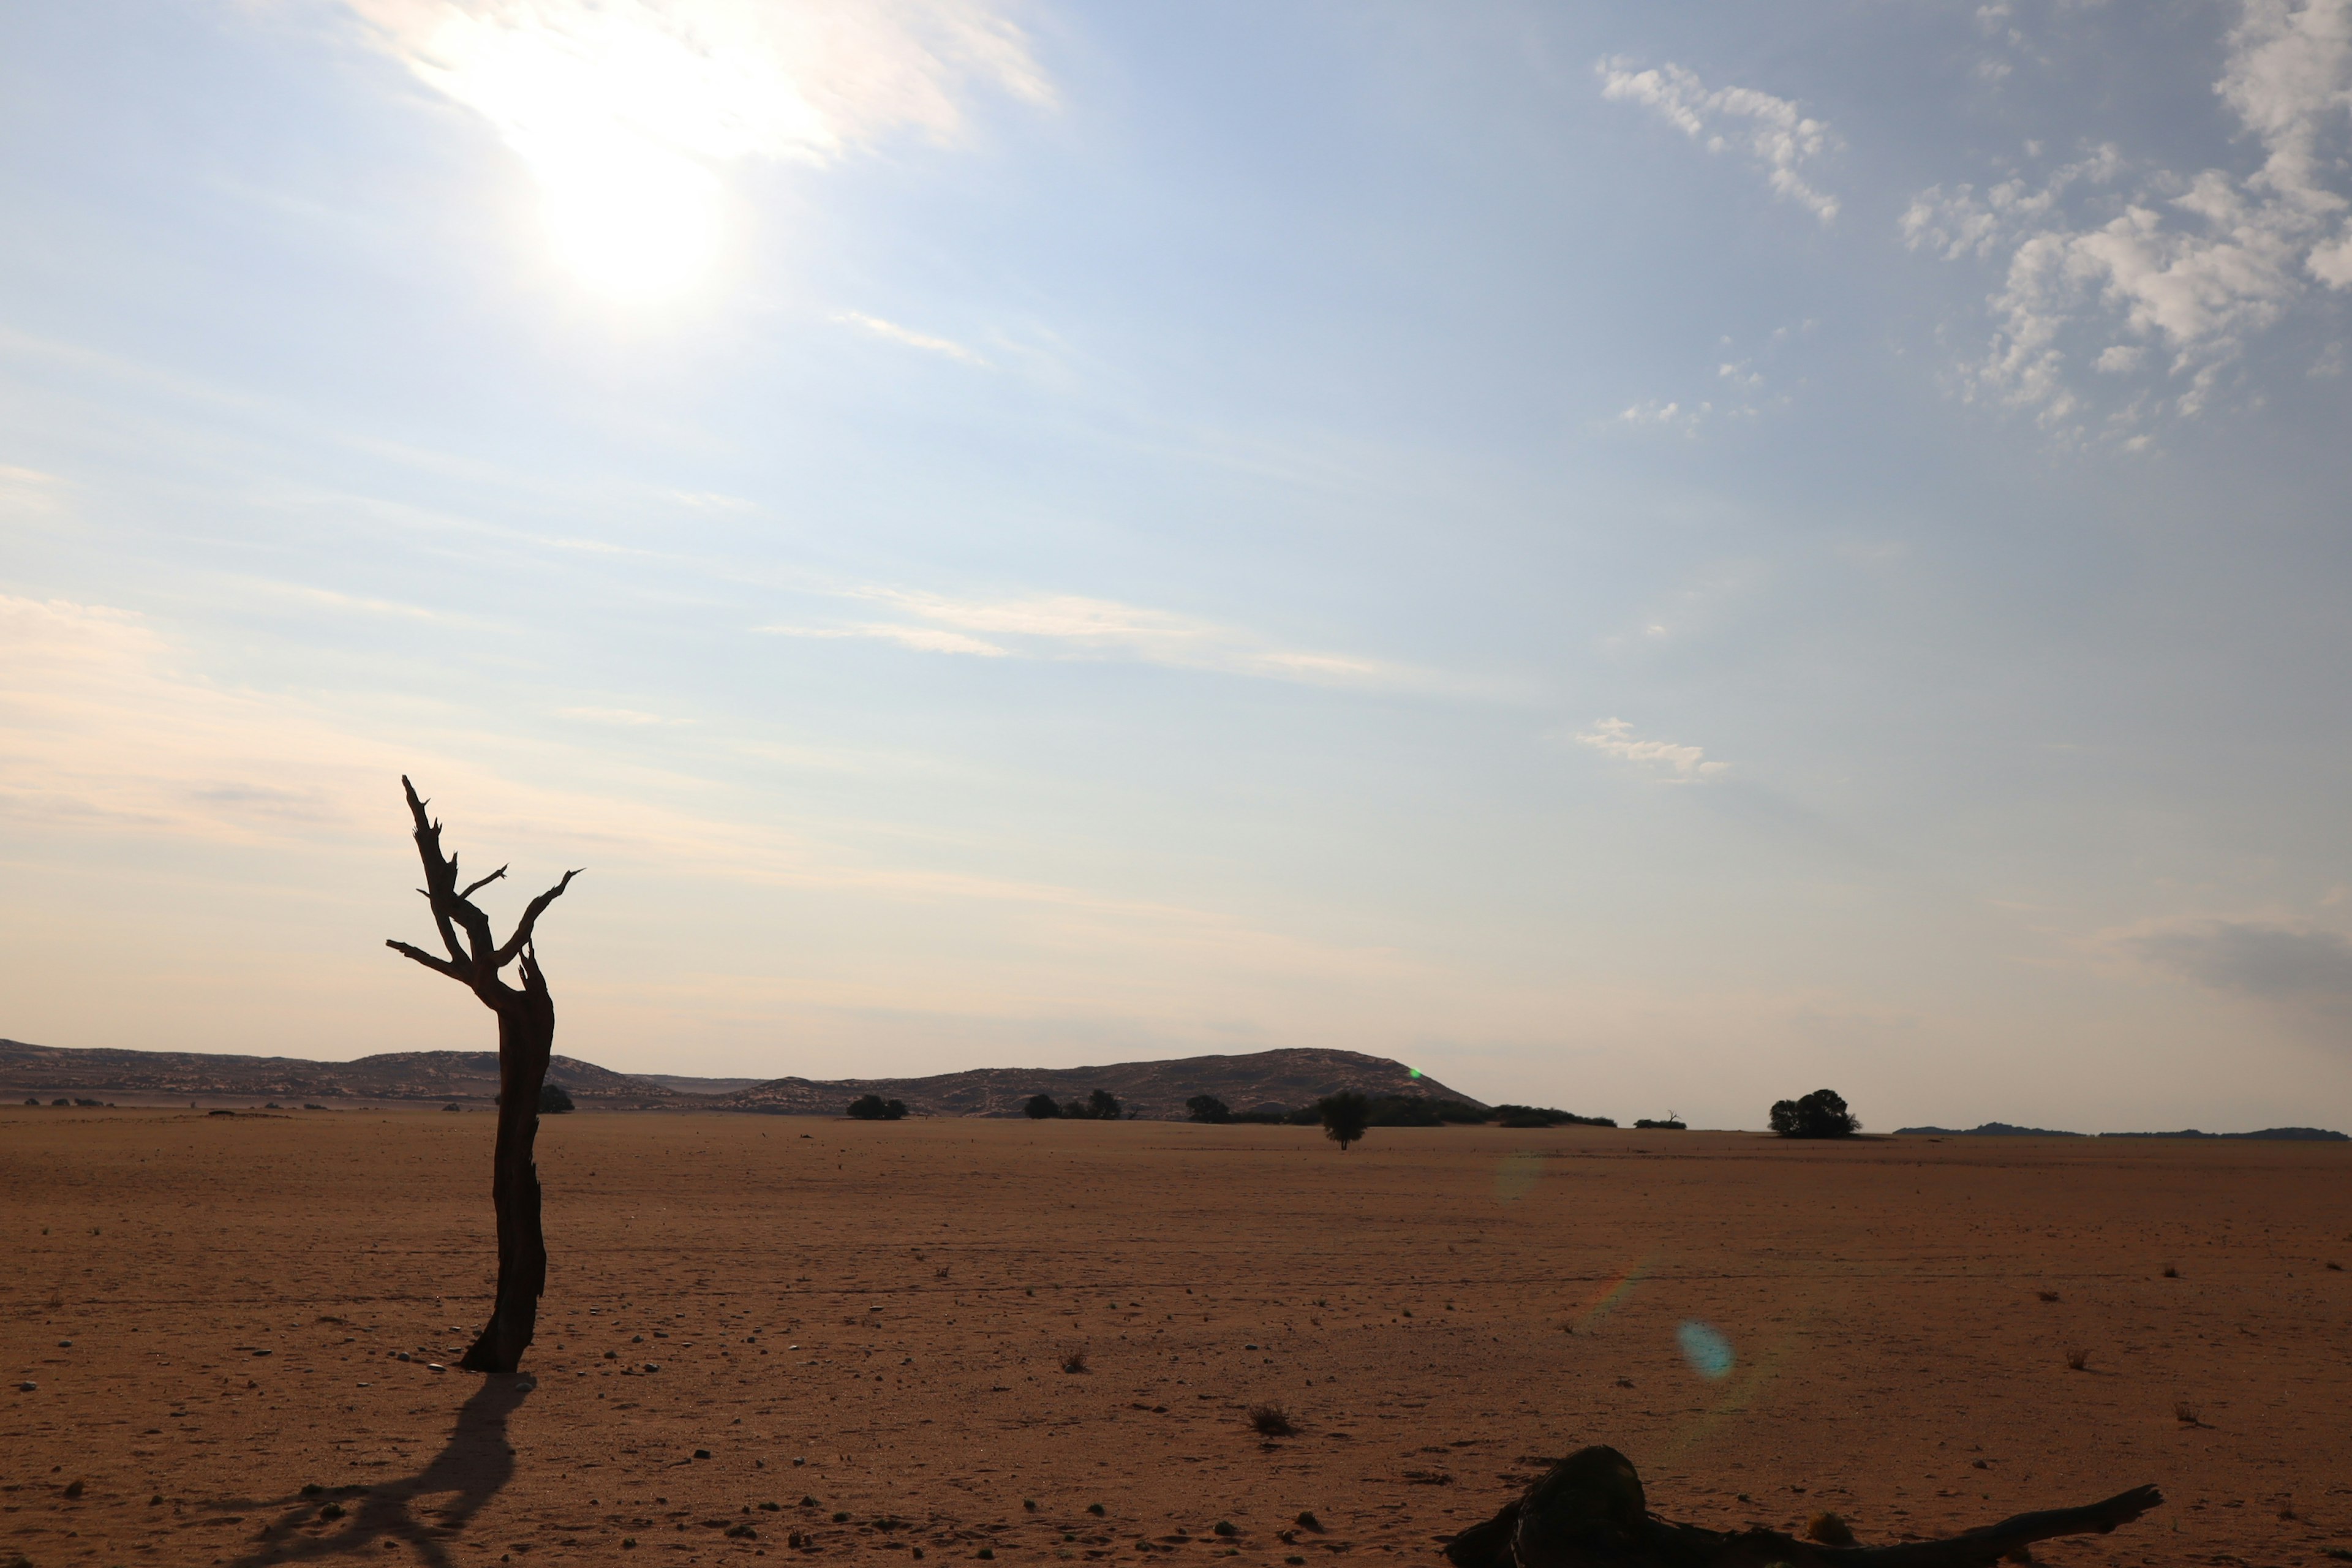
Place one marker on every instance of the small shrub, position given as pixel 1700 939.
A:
pixel 1208 1108
pixel 1225 1527
pixel 1307 1521
pixel 2171 1272
pixel 553 1100
pixel 874 1108
pixel 2334 1267
pixel 1672 1124
pixel 1829 1529
pixel 1271 1421
pixel 1075 1362
pixel 1041 1108
pixel 2078 1360
pixel 2188 1415
pixel 1821 1114
pixel 2046 1295
pixel 1096 1509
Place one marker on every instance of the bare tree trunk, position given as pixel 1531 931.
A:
pixel 526 1040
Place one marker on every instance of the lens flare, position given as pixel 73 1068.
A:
pixel 1516 1175
pixel 1708 1353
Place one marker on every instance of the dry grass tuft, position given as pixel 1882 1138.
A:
pixel 2171 1272
pixel 2046 1295
pixel 2078 1360
pixel 1829 1529
pixel 1075 1362
pixel 2187 1413
pixel 1271 1421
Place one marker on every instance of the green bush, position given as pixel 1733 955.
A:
pixel 1821 1114
pixel 553 1100
pixel 1041 1108
pixel 874 1108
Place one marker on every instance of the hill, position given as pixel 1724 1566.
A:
pixel 465 1077
pixel 1155 1091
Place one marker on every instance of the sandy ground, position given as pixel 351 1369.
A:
pixel 866 1325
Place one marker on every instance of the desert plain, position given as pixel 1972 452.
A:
pixel 789 1336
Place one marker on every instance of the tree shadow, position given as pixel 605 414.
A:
pixel 476 1464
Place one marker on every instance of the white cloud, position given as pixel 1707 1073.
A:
pixel 624 108
pixel 1068 626
pixel 1683 764
pixel 909 336
pixel 1772 130
pixel 2194 266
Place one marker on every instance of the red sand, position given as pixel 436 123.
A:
pixel 892 1304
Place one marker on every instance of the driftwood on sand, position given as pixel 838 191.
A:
pixel 1588 1511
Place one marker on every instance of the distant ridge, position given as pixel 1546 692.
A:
pixel 2003 1130
pixel 1155 1091
pixel 465 1077
pixel 2275 1134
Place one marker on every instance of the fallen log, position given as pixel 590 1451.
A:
pixel 1589 1512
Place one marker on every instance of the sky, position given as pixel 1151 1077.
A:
pixel 1635 558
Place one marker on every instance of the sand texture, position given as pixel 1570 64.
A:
pixel 871 1320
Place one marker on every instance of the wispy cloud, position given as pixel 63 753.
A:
pixel 909 336
pixel 1679 764
pixel 629 717
pixel 1772 130
pixel 923 639
pixel 1068 626
pixel 2107 260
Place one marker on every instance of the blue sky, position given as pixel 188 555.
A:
pixel 1632 557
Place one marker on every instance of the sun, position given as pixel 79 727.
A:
pixel 632 220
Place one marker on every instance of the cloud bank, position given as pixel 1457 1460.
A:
pixel 2155 278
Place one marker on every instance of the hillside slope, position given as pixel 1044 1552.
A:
pixel 467 1077
pixel 1155 1091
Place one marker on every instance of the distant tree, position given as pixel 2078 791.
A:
pixel 1102 1105
pixel 1821 1114
pixel 1345 1116
pixel 1041 1108
pixel 874 1108
pixel 526 1039
pixel 553 1100
pixel 1209 1108
pixel 1308 1115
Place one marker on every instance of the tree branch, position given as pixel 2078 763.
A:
pixel 438 965
pixel 477 886
pixel 522 937
pixel 440 872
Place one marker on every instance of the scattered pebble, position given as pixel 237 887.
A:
pixel 28 1387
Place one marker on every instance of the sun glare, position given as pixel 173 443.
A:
pixel 633 221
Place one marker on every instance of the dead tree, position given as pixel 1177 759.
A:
pixel 1588 1511
pixel 526 1039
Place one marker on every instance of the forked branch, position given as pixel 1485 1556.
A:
pixel 476 960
